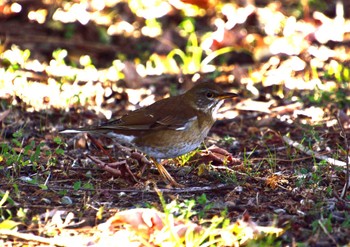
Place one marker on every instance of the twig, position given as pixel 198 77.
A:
pixel 308 151
pixel 150 191
pixel 4 114
pixel 199 189
pixel 282 160
pixel 343 134
pixel 31 237
pixel 257 152
pixel 326 232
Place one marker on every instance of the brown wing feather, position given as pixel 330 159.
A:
pixel 160 115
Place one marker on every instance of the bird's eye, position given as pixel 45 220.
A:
pixel 210 95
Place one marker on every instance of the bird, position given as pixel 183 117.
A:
pixel 168 128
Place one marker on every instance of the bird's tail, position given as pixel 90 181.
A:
pixel 73 131
pixel 92 129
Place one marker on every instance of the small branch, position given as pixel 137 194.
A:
pixel 308 151
pixel 326 232
pixel 195 189
pixel 200 189
pixel 31 237
pixel 347 178
pixel 4 114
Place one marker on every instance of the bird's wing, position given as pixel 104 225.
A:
pixel 149 122
pixel 174 122
pixel 156 116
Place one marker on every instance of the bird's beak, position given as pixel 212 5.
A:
pixel 227 95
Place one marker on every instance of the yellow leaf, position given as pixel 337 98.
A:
pixel 8 224
pixel 202 169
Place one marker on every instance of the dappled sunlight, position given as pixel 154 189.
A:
pixel 284 74
pixel 337 26
pixel 38 15
pixel 253 105
pixel 150 9
pixel 72 12
pixel 316 114
pixel 16 7
pixel 15 55
pixel 136 96
pixel 56 92
pixel 290 46
pixel 122 27
pixel 321 53
pixel 271 18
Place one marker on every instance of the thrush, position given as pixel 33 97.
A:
pixel 169 127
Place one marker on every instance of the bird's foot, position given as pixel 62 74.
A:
pixel 160 167
pixel 166 175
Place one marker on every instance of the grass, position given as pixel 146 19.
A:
pixel 217 231
pixel 192 60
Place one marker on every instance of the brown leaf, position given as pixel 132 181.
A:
pixel 144 221
pixel 275 180
pixel 216 156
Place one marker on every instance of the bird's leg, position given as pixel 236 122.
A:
pixel 165 174
pixel 114 167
